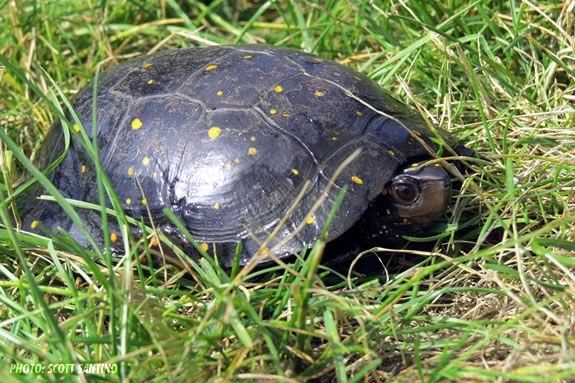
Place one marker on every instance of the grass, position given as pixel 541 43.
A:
pixel 494 299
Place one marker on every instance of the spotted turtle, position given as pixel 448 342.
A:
pixel 249 145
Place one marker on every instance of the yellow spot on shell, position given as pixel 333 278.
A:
pixel 128 201
pixel 147 65
pixel 237 160
pixel 154 174
pixel 145 161
pixel 211 67
pixel 136 123
pixel 278 88
pixel 220 93
pixel 357 180
pixel 34 224
pixel 333 138
pixel 83 168
pixel 273 111
pixel 150 82
pixel 227 166
pixel 252 138
pixel 309 220
pixel 286 115
pixel 252 151
pixel 204 246
pixel 130 171
pixel 214 132
pixel 113 237
pixel 76 128
pixel 144 201
pixel 319 93
pixel 248 56
pixel 295 172
pixel 264 250
pixel 217 205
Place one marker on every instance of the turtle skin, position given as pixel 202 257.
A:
pixel 226 137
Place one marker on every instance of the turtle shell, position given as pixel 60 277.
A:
pixel 227 138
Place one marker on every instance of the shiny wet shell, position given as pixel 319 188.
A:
pixel 226 137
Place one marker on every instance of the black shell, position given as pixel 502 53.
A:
pixel 226 137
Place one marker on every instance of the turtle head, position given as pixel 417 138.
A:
pixel 414 198
pixel 418 195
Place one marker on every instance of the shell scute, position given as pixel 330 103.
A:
pixel 241 81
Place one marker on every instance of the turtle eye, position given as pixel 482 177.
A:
pixel 405 191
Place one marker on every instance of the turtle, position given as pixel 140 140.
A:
pixel 249 146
